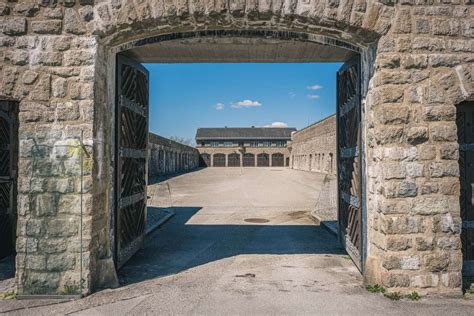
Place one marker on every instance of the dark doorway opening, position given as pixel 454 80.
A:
pixel 465 126
pixel 248 160
pixel 218 160
pixel 263 160
pixel 233 160
pixel 8 176
pixel 278 160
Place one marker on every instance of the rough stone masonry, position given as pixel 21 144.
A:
pixel 57 62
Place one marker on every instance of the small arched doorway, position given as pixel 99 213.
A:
pixel 233 160
pixel 248 160
pixel 263 160
pixel 278 160
pixel 218 160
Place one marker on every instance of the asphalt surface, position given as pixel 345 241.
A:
pixel 242 242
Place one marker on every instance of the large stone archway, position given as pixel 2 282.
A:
pixel 57 64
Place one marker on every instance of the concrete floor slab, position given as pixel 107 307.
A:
pixel 207 260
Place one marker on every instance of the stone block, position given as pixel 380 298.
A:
pixel 439 113
pixel 429 187
pixel 395 225
pixel 399 243
pixel 61 262
pixel 59 88
pixel 394 171
pixel 436 262
pixel 29 77
pixel 394 280
pixel 14 26
pixel 417 135
pixel 446 132
pixel 46 58
pixel 73 23
pixel 424 243
pixel 430 205
pixel 47 27
pixel 63 227
pixel 425 280
pixel 444 169
pixel 44 205
pixel 449 151
pixel 53 13
pixel 78 58
pixel 53 245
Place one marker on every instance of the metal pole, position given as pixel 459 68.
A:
pixel 81 158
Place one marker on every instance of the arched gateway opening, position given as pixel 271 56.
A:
pixel 245 46
pixel 77 80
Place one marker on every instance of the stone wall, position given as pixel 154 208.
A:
pixel 168 157
pixel 314 147
pixel 57 59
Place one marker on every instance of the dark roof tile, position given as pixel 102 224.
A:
pixel 236 133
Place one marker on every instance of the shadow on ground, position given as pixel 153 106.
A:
pixel 158 179
pixel 7 268
pixel 178 246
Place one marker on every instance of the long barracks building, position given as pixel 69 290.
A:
pixel 246 147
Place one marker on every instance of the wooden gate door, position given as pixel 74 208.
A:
pixel 263 160
pixel 465 125
pixel 233 160
pixel 248 160
pixel 278 160
pixel 349 159
pixel 131 158
pixel 218 160
pixel 8 168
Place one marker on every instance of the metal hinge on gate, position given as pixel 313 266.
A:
pixel 349 152
pixel 466 147
pixel 131 105
pixel 468 224
pixel 352 200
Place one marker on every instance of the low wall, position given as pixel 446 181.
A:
pixel 314 147
pixel 168 157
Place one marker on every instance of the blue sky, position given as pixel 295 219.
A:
pixel 184 97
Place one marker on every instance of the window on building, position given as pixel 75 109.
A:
pixel 279 143
pixel 253 144
pixel 214 144
pixel 228 144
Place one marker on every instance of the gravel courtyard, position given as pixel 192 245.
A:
pixel 241 242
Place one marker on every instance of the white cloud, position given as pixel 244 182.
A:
pixel 277 124
pixel 314 87
pixel 246 104
pixel 219 106
pixel 313 96
pixel 292 94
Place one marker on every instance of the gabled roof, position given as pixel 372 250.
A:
pixel 244 133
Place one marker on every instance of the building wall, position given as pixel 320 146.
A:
pixel 168 157
pixel 314 147
pixel 226 151
pixel 57 60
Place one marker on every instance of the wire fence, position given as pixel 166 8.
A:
pixel 55 197
pixel 326 203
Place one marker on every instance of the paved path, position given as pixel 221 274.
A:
pixel 242 243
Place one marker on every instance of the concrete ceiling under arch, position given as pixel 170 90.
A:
pixel 237 49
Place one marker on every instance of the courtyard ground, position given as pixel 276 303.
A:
pixel 242 241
